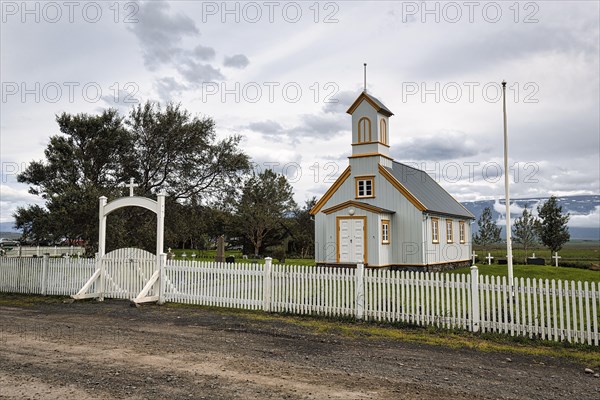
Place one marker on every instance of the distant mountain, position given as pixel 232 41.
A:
pixel 8 227
pixel 584 223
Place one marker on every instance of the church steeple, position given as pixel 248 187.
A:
pixel 370 125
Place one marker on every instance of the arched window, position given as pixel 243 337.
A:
pixel 383 131
pixel 364 130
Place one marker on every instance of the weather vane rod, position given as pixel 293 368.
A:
pixel 365 68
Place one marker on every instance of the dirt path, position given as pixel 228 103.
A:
pixel 112 351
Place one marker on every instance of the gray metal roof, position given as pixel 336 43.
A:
pixel 428 191
pixel 380 104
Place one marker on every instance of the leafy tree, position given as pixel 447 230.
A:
pixel 525 230
pixel 94 154
pixel 266 200
pixel 181 154
pixel 488 232
pixel 553 230
pixel 303 231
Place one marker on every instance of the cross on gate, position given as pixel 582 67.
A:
pixel 131 185
pixel 473 258
pixel 556 257
pixel 489 258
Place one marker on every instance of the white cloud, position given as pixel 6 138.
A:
pixel 171 51
pixel 591 220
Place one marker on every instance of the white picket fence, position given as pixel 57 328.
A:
pixel 39 251
pixel 552 310
pixel 47 276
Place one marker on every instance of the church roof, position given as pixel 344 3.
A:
pixel 427 191
pixel 373 101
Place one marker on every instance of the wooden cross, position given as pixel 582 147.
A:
pixel 131 185
pixel 533 255
pixel 473 258
pixel 556 257
pixel 489 258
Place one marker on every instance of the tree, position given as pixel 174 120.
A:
pixel 553 230
pixel 489 232
pixel 181 154
pixel 525 230
pixel 303 230
pixel 266 199
pixel 92 153
pixel 95 154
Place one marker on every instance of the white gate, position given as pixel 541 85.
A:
pixel 127 272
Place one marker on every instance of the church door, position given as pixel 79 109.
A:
pixel 351 239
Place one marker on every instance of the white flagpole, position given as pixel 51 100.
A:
pixel 509 258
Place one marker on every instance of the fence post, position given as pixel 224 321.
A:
pixel 360 290
pixel 45 264
pixel 100 261
pixel 475 316
pixel 267 284
pixel 162 277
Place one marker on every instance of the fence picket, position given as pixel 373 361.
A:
pixel 548 309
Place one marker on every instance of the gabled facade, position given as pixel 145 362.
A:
pixel 384 213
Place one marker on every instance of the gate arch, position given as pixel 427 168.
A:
pixel 123 282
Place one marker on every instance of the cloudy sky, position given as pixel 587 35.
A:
pixel 282 75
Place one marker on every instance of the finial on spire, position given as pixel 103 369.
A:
pixel 365 67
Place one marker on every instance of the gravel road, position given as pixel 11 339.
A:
pixel 90 350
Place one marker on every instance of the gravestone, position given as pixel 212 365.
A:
pixel 230 259
pixel 536 261
pixel 170 254
pixel 220 256
pixel 556 257
pixel 502 261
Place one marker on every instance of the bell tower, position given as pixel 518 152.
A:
pixel 370 126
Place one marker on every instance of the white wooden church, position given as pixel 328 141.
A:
pixel 385 213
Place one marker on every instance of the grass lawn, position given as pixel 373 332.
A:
pixel 209 255
pixel 536 271
pixel 580 252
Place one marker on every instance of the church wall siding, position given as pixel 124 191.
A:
pixel 444 251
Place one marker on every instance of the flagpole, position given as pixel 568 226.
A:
pixel 509 257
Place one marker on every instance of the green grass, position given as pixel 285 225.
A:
pixel 582 253
pixel 536 271
pixel 209 255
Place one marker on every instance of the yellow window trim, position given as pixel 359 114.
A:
pixel 450 238
pixel 385 222
pixel 462 230
pixel 367 125
pixel 364 178
pixel 435 221
pixel 383 131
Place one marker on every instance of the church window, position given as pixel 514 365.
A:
pixel 364 130
pixel 364 187
pixel 383 131
pixel 435 230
